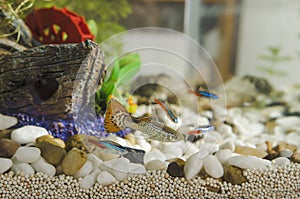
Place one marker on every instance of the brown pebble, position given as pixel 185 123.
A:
pixel 296 158
pixel 284 145
pixel 152 186
pixel 51 152
pixel 5 133
pixel 249 151
pixel 73 161
pixel 8 147
pixel 234 175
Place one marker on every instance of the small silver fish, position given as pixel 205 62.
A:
pixel 201 130
pixel 117 118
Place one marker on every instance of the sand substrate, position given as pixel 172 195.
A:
pixel 275 182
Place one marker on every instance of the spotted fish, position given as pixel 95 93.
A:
pixel 117 118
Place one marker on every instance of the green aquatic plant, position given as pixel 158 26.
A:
pixel 272 59
pixel 124 69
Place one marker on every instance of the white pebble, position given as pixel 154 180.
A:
pixel 248 162
pixel 27 134
pixel 108 165
pixel 136 168
pixel 22 167
pixel 7 121
pixel 213 167
pixel 120 171
pixel 193 166
pixel 94 160
pixel 42 166
pixel 154 155
pixel 28 154
pixel 5 164
pixel 155 165
pixel 84 170
pixel 105 178
pixel 228 145
pixel 89 180
pixel 172 151
pixel 223 155
pixel 190 149
pixel 281 161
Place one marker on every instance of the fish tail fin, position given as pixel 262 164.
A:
pixel 114 116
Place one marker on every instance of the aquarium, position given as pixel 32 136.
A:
pixel 199 99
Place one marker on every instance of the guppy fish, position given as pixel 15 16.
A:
pixel 170 113
pixel 201 130
pixel 117 118
pixel 205 94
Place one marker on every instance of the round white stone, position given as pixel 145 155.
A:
pixel 193 166
pixel 28 154
pixel 27 134
pixel 108 165
pixel 223 155
pixel 44 167
pixel 120 171
pixel 105 178
pixel 7 121
pixel 281 161
pixel 136 168
pixel 85 169
pixel 213 167
pixel 22 167
pixel 5 164
pixel 155 165
pixel 154 155
pixel 89 180
pixel 248 162
pixel 94 160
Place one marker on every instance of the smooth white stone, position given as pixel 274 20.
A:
pixel 155 165
pixel 223 155
pixel 143 144
pixel 190 149
pixel 7 121
pixel 212 137
pixel 289 121
pixel 5 164
pixel 293 138
pixel 28 154
pixel 94 160
pixel 89 180
pixel 42 166
pixel 248 162
pixel 281 161
pixel 120 171
pixel 27 134
pixel 172 151
pixel 108 165
pixel 228 145
pixel 207 148
pixel 213 167
pixel 226 130
pixel 136 169
pixel 85 169
pixel 105 178
pixel 193 166
pixel 154 155
pixel 22 167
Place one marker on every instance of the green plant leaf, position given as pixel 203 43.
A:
pixel 129 67
pixel 93 26
pixel 114 75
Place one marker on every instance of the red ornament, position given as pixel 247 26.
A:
pixel 57 26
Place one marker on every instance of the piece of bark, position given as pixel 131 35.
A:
pixel 40 81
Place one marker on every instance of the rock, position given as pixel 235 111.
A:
pixel 89 180
pixel 8 148
pixel 84 170
pixel 28 154
pixel 293 137
pixel 249 151
pixel 94 160
pixel 42 138
pixel 22 167
pixel 154 155
pixel 296 158
pixel 5 164
pixel 135 156
pixel 191 148
pixel 213 167
pixel 51 152
pixel 27 134
pixel 172 151
pixel 227 145
pixel 130 137
pixel 285 153
pixel 281 161
pixel 284 145
pixel 248 162
pixel 120 171
pixel 105 178
pixel 193 166
pixel 7 121
pixel 108 165
pixel 141 141
pixel 42 166
pixel 75 142
pixel 5 133
pixel 234 175
pixel 136 169
pixel 271 155
pixel 155 165
pixel 223 155
pixel 175 168
pixel 73 161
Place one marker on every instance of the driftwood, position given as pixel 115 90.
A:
pixel 40 81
